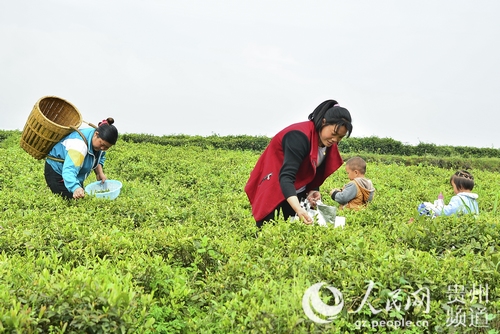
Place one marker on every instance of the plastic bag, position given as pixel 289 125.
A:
pixel 430 209
pixel 323 214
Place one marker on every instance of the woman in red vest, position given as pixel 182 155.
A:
pixel 296 162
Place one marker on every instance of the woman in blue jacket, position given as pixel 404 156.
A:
pixel 70 161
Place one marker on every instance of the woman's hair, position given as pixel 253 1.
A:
pixel 333 114
pixel 107 131
pixel 463 180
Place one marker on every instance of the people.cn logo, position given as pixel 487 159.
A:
pixel 316 309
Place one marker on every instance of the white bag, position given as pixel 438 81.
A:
pixel 323 215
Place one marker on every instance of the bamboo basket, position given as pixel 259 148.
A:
pixel 51 119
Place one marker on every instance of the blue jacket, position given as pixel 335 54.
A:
pixel 461 203
pixel 79 158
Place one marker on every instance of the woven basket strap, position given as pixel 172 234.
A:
pixel 81 134
pixel 84 139
pixel 54 158
pixel 92 125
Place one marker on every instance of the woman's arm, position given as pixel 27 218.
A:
pixel 295 149
pixel 99 173
pixel 73 162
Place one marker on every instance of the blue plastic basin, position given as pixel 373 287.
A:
pixel 111 189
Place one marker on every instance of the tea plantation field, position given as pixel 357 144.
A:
pixel 176 252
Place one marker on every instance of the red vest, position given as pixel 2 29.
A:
pixel 263 187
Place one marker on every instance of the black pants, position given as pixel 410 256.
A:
pixel 56 182
pixel 284 208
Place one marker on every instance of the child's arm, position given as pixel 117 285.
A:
pixel 456 203
pixel 346 194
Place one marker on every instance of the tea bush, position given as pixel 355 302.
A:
pixel 177 251
pixel 367 145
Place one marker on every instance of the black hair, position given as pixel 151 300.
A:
pixel 107 131
pixel 333 114
pixel 463 180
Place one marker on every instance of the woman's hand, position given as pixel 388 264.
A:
pixel 300 211
pixel 79 193
pixel 101 177
pixel 313 197
pixel 99 174
pixel 304 216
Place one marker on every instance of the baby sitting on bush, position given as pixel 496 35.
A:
pixel 359 191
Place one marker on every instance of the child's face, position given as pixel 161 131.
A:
pixel 455 190
pixel 351 173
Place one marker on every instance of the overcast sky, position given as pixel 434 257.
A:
pixel 415 71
